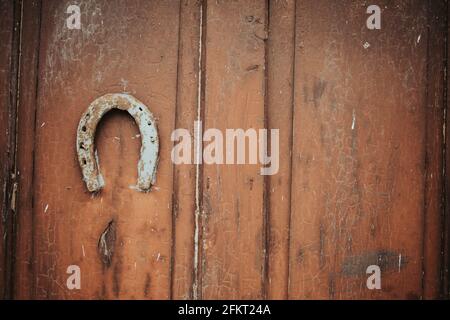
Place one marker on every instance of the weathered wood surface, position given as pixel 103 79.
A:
pixel 361 150
pixel 6 53
pixel 360 113
pixel 109 54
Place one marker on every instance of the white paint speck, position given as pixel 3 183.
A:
pixel 124 84
pixel 366 45
pixel 46 208
pixel 43 124
pixel 418 38
pixel 399 262
pixel 82 249
pixel 353 120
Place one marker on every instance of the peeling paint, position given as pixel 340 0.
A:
pixel 87 154
pixel 106 244
pixel 14 197
pixel 353 120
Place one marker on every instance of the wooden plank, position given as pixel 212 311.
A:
pixel 24 264
pixel 184 174
pixel 233 226
pixel 433 206
pixel 280 66
pixel 6 51
pixel 359 150
pixel 122 47
pixel 445 285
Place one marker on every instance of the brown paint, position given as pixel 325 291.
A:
pixel 184 181
pixel 433 205
pixel 359 146
pixel 24 264
pixel 9 97
pixel 6 25
pixel 445 240
pixel 362 155
pixel 233 233
pixel 91 65
pixel 280 67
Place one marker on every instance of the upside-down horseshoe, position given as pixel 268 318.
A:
pixel 87 156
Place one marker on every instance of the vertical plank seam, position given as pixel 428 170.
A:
pixel 16 143
pixel 425 155
pixel 291 142
pixel 33 169
pixel 444 187
pixel 10 172
pixel 439 30
pixel 266 179
pixel 174 175
pixel 197 281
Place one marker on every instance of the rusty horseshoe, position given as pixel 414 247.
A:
pixel 87 155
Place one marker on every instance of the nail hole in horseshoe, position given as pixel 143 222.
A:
pixel 83 128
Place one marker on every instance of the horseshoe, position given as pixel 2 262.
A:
pixel 87 154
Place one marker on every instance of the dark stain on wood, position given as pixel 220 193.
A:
pixel 300 255
pixel 318 90
pixel 322 236
pixel 386 260
pixel 252 68
pixel 147 285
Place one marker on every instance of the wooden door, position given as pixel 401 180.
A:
pixel 361 177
